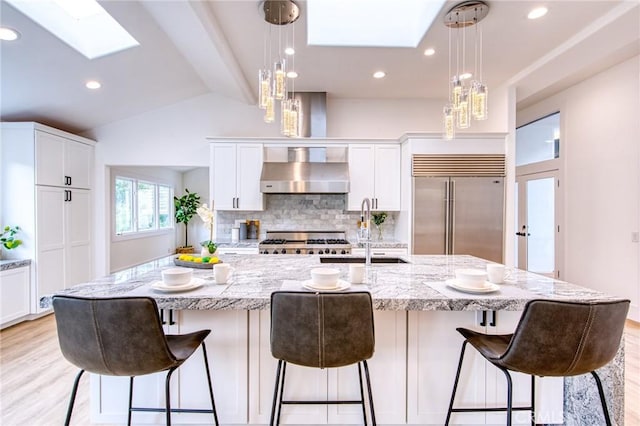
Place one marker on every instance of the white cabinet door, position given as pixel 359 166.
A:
pixel 223 163
pixel 361 175
pixel 387 369
pixel 78 164
pixel 433 353
pixel 387 177
pixel 62 162
pixel 249 168
pixel 374 172
pixel 301 382
pixel 50 241
pixel 236 176
pixel 227 363
pixel 50 156
pixel 14 294
pixel 78 253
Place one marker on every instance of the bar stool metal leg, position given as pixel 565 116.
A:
pixel 455 383
pixel 130 400
pixel 284 371
pixel 605 410
pixel 509 395
pixel 276 391
pixel 206 367
pixel 72 399
pixel 366 373
pixel 364 410
pixel 533 400
pixel 167 395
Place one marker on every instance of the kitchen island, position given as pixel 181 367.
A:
pixel 416 346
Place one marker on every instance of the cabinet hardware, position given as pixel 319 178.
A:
pixel 483 323
pixel 171 321
pixel 493 319
pixel 67 180
pixel 162 321
pixel 69 196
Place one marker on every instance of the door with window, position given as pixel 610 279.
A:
pixel 537 228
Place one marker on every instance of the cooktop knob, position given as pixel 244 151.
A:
pixel 333 252
pixel 283 251
pixel 326 251
pixel 343 252
pixel 275 252
pixel 297 251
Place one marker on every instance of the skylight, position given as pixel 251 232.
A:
pixel 380 23
pixel 82 24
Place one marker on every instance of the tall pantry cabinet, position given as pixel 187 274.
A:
pixel 46 190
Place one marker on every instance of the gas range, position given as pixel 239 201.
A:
pixel 305 242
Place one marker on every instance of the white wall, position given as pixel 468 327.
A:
pixel 600 130
pixel 197 180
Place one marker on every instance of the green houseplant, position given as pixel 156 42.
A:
pixel 8 239
pixel 186 207
pixel 206 214
pixel 378 220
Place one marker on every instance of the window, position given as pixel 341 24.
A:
pixel 538 141
pixel 141 206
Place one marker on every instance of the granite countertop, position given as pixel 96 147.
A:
pixel 7 264
pixel 415 286
pixel 239 244
pixel 383 244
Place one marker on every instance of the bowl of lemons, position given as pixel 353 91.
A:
pixel 192 261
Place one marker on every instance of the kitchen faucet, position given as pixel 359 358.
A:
pixel 365 233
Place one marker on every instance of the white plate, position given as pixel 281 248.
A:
pixel 341 285
pixel 193 284
pixel 488 288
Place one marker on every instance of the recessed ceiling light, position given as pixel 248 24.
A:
pixel 289 51
pixel 8 34
pixel 465 75
pixel 538 12
pixel 292 74
pixel 379 74
pixel 93 84
pixel 429 52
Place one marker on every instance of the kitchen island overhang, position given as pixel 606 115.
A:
pixel 409 299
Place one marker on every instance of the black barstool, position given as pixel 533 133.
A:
pixel 124 337
pixel 553 339
pixel 321 330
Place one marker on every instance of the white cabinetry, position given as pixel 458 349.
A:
pixel 14 294
pixel 387 368
pixel 433 352
pixel 235 176
pixel 374 170
pixel 227 363
pixel 46 190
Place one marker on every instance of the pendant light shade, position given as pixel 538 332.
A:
pixel 279 80
pixel 264 87
pixel 468 101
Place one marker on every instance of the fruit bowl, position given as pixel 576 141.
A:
pixel 199 262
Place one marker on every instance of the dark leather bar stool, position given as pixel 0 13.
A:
pixel 124 337
pixel 321 330
pixel 554 339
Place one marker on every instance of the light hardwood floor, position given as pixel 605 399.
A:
pixel 35 379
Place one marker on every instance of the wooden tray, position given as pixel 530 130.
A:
pixel 196 265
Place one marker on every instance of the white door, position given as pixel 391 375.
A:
pixel 537 226
pixel 49 159
pixel 78 256
pixel 78 164
pixel 387 177
pixel 50 241
pixel 361 172
pixel 223 160
pixel 249 168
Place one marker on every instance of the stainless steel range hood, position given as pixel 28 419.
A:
pixel 305 170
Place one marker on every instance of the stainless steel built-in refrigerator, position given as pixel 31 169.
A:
pixel 459 215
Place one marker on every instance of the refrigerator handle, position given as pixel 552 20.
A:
pixel 446 217
pixel 452 212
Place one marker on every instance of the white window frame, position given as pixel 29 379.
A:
pixel 134 207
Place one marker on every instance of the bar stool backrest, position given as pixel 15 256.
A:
pixel 112 336
pixel 556 338
pixel 322 329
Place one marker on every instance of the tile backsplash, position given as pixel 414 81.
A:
pixel 301 212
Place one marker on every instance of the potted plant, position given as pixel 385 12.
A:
pixel 186 207
pixel 378 220
pixel 209 247
pixel 7 238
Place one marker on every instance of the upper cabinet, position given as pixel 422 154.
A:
pixel 62 161
pixel 374 170
pixel 235 176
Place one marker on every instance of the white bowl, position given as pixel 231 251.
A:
pixel 177 276
pixel 325 277
pixel 471 277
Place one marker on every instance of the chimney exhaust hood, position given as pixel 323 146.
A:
pixel 305 170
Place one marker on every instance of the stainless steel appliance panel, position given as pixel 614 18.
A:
pixel 459 215
pixel 477 216
pixel 430 209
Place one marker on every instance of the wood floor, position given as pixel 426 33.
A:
pixel 35 380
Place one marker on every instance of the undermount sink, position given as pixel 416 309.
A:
pixel 356 259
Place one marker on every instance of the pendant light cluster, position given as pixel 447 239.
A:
pixel 467 101
pixel 272 81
